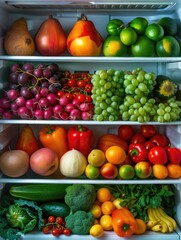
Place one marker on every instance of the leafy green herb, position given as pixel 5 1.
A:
pixel 138 197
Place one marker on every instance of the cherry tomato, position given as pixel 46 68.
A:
pixel 66 231
pixel 81 83
pixel 88 99
pixel 88 87
pixel 138 138
pixel 125 132
pixel 69 96
pixel 72 83
pixel 45 229
pixel 67 74
pixel 55 232
pixel 148 130
pixel 51 219
pixel 80 98
pixel 160 140
pixel 157 155
pixel 59 220
pixel 60 93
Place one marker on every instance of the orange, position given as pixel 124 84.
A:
pixel 168 46
pixel 160 171
pixel 96 210
pixel 115 155
pixel 103 195
pixel 107 207
pixel 106 222
pixel 96 231
pixel 141 227
pixel 139 24
pixel 174 170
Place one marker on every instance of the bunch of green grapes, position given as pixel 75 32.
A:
pixel 168 111
pixel 139 82
pixel 107 94
pixel 141 110
pixel 137 104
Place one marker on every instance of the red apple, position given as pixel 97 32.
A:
pixel 109 171
pixel 44 161
pixel 143 169
pixel 14 163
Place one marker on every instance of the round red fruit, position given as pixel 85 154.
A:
pixel 157 155
pixel 125 132
pixel 148 130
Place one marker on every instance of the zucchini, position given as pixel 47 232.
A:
pixel 39 192
pixel 55 209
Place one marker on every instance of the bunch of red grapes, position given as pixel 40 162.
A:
pixel 46 92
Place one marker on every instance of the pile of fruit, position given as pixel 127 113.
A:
pixel 46 92
pixel 131 39
pixel 132 153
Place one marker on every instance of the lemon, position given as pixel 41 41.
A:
pixel 144 47
pixel 168 46
pixel 139 24
pixel 154 31
pixel 128 36
pixel 113 47
pixel 96 231
pixel 169 25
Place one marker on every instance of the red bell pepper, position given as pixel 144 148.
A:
pixel 157 155
pixel 174 155
pixel 137 152
pixel 124 223
pixel 81 138
pixel 160 140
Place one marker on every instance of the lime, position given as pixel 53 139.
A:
pixel 128 36
pixel 114 27
pixel 168 46
pixel 154 31
pixel 139 24
pixel 144 47
pixel 169 25
pixel 113 47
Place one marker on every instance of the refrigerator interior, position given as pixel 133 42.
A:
pixel 100 12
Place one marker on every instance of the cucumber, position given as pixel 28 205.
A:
pixel 55 209
pixel 39 192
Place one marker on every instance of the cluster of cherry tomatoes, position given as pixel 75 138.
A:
pixel 55 226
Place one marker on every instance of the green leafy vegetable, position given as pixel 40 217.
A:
pixel 138 197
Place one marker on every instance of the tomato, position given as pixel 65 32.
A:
pixel 149 145
pixel 160 140
pixel 60 93
pixel 69 96
pixel 125 132
pixel 59 220
pixel 66 231
pixel 88 99
pixel 148 130
pixel 80 97
pixel 72 83
pixel 81 83
pixel 66 73
pixel 88 87
pixel 157 155
pixel 45 229
pixel 51 219
pixel 138 138
pixel 109 171
pixel 55 232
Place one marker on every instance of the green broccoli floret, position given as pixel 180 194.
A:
pixel 79 222
pixel 80 197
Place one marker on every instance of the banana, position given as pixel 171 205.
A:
pixel 151 223
pixel 172 225
pixel 164 225
pixel 150 215
pixel 157 228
